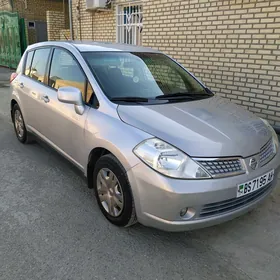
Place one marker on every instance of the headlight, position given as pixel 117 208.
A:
pixel 274 135
pixel 168 160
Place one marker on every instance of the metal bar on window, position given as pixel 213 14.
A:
pixel 129 23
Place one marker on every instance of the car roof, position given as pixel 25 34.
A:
pixel 91 46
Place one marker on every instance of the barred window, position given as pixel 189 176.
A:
pixel 130 24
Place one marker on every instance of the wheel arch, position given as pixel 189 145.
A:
pixel 12 104
pixel 16 100
pixel 126 159
pixel 93 157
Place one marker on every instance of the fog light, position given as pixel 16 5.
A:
pixel 183 212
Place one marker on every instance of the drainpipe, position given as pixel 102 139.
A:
pixel 70 19
pixel 12 5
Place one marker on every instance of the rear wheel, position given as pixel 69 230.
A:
pixel 113 192
pixel 19 125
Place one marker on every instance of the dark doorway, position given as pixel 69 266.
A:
pixel 41 31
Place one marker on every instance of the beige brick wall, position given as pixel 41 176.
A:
pixel 36 9
pixel 32 39
pixel 55 23
pixel 64 34
pixel 90 25
pixel 232 46
pixel 5 5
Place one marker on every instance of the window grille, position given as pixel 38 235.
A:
pixel 130 24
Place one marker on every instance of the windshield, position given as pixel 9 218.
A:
pixel 140 75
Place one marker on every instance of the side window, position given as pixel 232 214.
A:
pixel 39 64
pixel 28 63
pixel 65 71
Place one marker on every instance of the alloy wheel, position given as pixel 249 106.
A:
pixel 19 124
pixel 110 192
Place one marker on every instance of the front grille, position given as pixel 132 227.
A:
pixel 221 207
pixel 267 152
pixel 222 167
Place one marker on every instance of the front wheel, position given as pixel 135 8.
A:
pixel 113 192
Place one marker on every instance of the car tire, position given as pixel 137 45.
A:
pixel 110 184
pixel 19 125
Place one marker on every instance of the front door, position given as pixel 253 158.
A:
pixel 64 127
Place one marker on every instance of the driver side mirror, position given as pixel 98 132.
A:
pixel 72 95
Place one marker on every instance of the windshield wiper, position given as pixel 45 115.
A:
pixel 183 95
pixel 177 95
pixel 130 99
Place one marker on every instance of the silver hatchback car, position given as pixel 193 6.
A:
pixel 156 145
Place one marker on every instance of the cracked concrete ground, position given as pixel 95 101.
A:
pixel 51 228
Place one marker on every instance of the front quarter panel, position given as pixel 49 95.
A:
pixel 106 130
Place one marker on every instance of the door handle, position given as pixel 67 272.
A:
pixel 45 98
pixel 21 85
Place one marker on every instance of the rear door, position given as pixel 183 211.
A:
pixel 32 87
pixel 20 84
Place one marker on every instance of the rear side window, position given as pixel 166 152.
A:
pixel 39 64
pixel 65 71
pixel 28 63
pixel 19 68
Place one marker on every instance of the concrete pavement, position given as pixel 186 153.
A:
pixel 51 228
pixel 5 74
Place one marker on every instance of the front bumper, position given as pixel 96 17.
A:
pixel 159 199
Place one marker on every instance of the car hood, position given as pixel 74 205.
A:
pixel 212 127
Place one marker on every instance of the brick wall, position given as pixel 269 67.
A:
pixel 5 5
pixel 232 46
pixel 89 25
pixel 55 23
pixel 36 9
pixel 64 34
pixel 31 36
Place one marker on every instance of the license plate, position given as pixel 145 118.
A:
pixel 255 184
